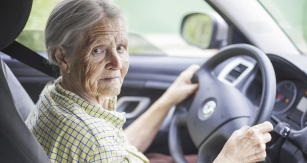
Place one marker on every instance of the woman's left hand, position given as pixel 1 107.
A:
pixel 182 87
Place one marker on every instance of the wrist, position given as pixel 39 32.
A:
pixel 170 96
pixel 166 100
pixel 221 158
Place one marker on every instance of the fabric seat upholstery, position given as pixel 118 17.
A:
pixel 21 99
pixel 17 143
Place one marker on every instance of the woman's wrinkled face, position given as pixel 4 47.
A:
pixel 101 61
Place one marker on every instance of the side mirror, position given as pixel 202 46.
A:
pixel 205 30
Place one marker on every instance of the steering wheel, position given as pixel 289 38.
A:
pixel 217 110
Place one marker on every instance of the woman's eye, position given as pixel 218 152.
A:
pixel 98 51
pixel 121 48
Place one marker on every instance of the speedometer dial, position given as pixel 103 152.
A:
pixel 285 97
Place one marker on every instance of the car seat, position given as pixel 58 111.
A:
pixel 17 143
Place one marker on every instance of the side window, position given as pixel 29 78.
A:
pixel 33 34
pixel 153 26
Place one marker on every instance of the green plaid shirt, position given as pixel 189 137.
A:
pixel 71 129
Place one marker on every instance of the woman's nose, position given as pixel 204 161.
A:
pixel 115 61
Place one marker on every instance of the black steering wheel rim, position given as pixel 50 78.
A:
pixel 192 119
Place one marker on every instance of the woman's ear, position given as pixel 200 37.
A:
pixel 61 58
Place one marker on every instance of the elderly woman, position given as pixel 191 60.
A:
pixel 75 118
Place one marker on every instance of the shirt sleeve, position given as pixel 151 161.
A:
pixel 109 153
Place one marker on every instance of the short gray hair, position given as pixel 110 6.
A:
pixel 70 18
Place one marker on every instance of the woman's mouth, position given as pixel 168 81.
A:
pixel 110 79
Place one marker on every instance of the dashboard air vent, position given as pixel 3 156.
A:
pixel 235 73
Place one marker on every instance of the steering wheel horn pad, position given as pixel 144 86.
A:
pixel 223 95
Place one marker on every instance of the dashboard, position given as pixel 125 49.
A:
pixel 290 106
pixel 290 102
pixel 291 95
pixel 291 87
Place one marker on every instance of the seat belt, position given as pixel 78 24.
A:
pixel 31 58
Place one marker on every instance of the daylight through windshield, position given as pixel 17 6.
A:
pixel 292 18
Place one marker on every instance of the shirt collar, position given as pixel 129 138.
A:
pixel 116 118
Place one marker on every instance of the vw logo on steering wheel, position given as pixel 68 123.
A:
pixel 208 108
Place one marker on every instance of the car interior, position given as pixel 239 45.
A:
pixel 247 86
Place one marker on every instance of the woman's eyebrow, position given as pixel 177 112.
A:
pixel 106 36
pixel 98 38
pixel 123 40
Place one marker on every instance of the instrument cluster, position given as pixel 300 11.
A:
pixel 291 103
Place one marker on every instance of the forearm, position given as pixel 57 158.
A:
pixel 144 129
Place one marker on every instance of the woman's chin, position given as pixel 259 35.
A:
pixel 109 91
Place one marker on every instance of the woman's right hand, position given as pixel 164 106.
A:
pixel 246 145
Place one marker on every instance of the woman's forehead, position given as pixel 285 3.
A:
pixel 107 28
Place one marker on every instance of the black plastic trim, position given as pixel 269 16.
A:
pixel 22 53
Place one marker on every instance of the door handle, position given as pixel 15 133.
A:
pixel 123 102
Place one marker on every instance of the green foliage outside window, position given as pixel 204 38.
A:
pixel 33 34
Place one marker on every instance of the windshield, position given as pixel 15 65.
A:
pixel 291 16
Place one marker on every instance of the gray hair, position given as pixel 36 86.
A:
pixel 70 18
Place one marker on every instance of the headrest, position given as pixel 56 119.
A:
pixel 14 15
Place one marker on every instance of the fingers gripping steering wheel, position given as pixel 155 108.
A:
pixel 228 107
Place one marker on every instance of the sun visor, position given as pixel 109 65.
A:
pixel 14 15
